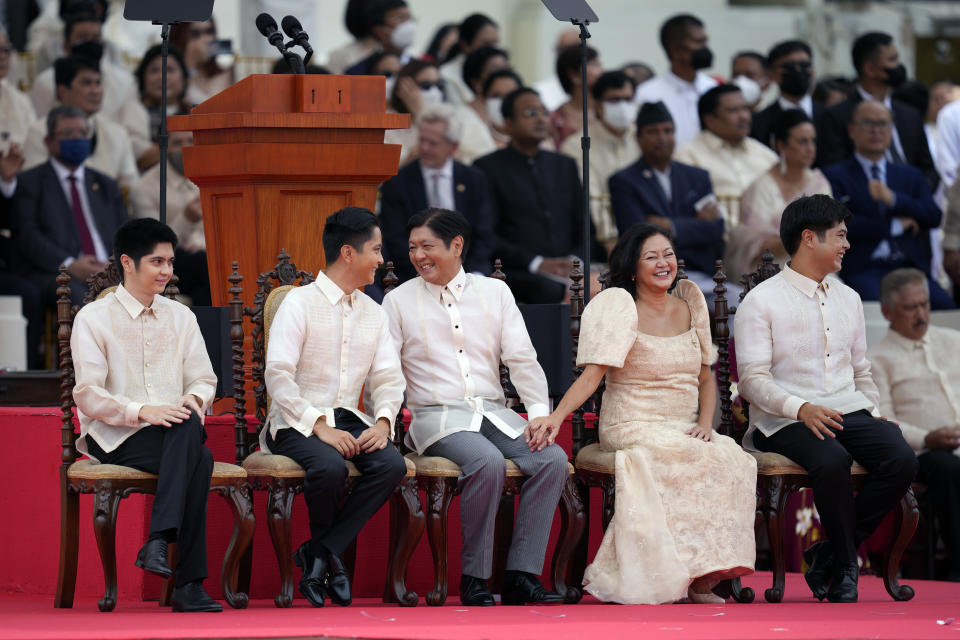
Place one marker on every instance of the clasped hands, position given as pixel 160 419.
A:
pixel 371 439
pixel 166 415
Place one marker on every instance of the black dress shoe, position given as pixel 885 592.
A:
pixel 844 585
pixel 819 559
pixel 193 597
pixel 338 582
pixel 313 581
pixel 520 587
pixel 475 593
pixel 152 557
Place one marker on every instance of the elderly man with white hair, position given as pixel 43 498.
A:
pixel 916 369
pixel 436 180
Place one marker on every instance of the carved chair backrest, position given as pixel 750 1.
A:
pixel 98 285
pixel 272 286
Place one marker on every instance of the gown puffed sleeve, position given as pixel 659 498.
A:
pixel 699 318
pixel 608 329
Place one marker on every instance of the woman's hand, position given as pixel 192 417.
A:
pixel 541 432
pixel 701 432
pixel 409 94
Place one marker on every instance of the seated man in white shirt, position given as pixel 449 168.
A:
pixel 805 372
pixel 328 339
pixel 684 40
pixel 453 330
pixel 917 372
pixel 143 382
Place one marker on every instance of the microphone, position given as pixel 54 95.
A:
pixel 294 30
pixel 268 27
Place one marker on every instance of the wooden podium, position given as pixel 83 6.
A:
pixel 273 156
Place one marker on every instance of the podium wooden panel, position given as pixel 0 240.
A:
pixel 273 156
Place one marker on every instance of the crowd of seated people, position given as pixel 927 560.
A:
pixel 710 163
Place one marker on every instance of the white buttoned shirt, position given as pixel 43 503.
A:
pixel 680 97
pixel 323 346
pixel 919 382
pixel 126 355
pixel 451 341
pixel 801 341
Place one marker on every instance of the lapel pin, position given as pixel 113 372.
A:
pixel 461 188
pixel 95 187
pixel 647 174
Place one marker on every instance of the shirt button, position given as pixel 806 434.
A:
pixel 456 326
pixel 449 305
pixel 461 350
pixel 146 364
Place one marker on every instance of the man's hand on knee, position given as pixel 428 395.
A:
pixel 191 403
pixel 942 438
pixel 820 420
pixel 342 441
pixel 376 437
pixel 163 415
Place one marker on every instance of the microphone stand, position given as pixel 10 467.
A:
pixel 162 137
pixel 585 149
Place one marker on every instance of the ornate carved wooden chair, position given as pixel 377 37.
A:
pixel 778 476
pixel 439 478
pixel 110 483
pixel 281 477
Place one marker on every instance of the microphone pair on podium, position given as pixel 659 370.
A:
pixel 294 30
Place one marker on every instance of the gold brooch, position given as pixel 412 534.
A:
pixel 461 188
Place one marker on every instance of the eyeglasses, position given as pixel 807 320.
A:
pixel 879 125
pixel 533 112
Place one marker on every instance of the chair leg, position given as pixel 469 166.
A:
pixel 239 497
pixel 905 525
pixel 245 565
pixel 439 495
pixel 279 509
pixel 608 489
pixel 740 593
pixel 579 562
pixel 69 543
pixel 168 584
pixel 406 528
pixel 774 497
pixel 106 502
pixel 572 522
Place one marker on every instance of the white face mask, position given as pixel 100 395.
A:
pixel 618 115
pixel 390 83
pixel 750 89
pixel 431 96
pixel 404 35
pixel 494 115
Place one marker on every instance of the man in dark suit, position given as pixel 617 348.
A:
pixel 879 72
pixel 893 210
pixel 64 213
pixel 538 203
pixel 436 180
pixel 790 65
pixel 670 194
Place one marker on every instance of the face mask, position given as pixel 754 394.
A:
pixel 74 151
pixel 390 83
pixel 795 82
pixel 176 160
pixel 91 50
pixel 403 35
pixel 749 88
pixel 702 58
pixel 618 115
pixel 431 96
pixel 896 76
pixel 494 115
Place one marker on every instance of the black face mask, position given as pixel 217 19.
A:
pixel 702 58
pixel 795 82
pixel 896 76
pixel 91 50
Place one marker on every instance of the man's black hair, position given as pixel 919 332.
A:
pixel 675 29
pixel 496 75
pixel 867 46
pixel 785 48
pixel 65 70
pixel 139 237
pixel 509 100
pixel 818 213
pixel 350 225
pixel 444 223
pixel 710 101
pixel 610 80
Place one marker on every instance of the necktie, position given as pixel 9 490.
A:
pixel 435 190
pixel 86 240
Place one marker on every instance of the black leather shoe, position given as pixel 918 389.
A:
pixel 844 585
pixel 520 587
pixel 313 582
pixel 193 597
pixel 152 557
pixel 338 582
pixel 475 593
pixel 819 559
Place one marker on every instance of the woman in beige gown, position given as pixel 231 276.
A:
pixel 685 496
pixel 762 204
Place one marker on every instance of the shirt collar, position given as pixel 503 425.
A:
pixel 701 81
pixel 887 102
pixel 868 165
pixel 715 142
pixel 131 305
pixel 806 103
pixel 454 287
pixel 803 284
pixel 906 342
pixel 63 172
pixel 331 290
pixel 445 171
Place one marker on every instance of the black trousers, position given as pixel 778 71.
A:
pixel 183 466
pixel 877 445
pixel 335 522
pixel 940 472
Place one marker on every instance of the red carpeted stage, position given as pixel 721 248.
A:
pixel 934 613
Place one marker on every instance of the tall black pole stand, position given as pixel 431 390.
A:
pixel 585 148
pixel 162 136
